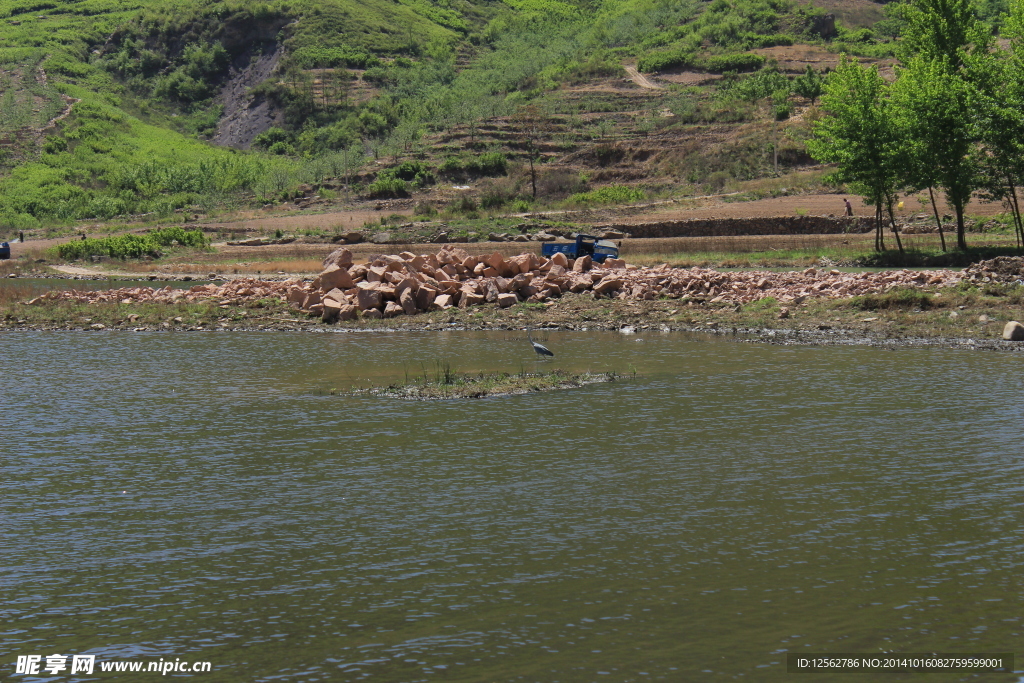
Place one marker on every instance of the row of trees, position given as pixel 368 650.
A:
pixel 952 120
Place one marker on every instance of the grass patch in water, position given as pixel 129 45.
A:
pixel 446 383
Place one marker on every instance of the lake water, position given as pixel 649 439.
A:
pixel 203 497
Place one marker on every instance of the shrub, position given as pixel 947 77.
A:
pixel 739 62
pixel 904 298
pixel 612 194
pixel 387 186
pixel 132 246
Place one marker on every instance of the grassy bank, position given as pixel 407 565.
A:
pixel 964 312
pixel 446 383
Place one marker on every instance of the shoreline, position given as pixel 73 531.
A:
pixel 836 337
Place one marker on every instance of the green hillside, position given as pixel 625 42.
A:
pixel 119 108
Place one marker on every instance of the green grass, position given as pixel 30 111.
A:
pixel 444 382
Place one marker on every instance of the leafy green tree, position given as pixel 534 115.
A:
pixel 937 98
pixel 809 85
pixel 938 108
pixel 941 29
pixel 861 135
pixel 999 76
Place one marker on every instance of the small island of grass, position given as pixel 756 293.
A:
pixel 447 384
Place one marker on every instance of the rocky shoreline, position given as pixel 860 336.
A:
pixel 408 292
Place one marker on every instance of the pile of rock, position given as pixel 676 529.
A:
pixel 1009 269
pixel 235 292
pixel 406 283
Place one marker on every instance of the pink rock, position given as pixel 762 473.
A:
pixel 368 299
pixel 373 314
pixel 332 309
pixel 312 299
pixel 339 257
pixel 407 300
pixel 442 302
pixel 406 284
pixel 583 264
pixel 348 312
pixel 560 259
pixel 392 309
pixel 468 299
pixel 425 296
pixel 608 284
pixel 336 295
pixel 506 300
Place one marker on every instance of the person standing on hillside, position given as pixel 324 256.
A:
pixel 849 207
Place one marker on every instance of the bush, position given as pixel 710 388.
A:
pixel 612 194
pixel 132 246
pixel 740 62
pixel 665 59
pixel 387 186
pixel 488 164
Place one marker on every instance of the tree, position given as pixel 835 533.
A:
pixel 810 85
pixel 1000 79
pixel 531 125
pixel 861 135
pixel 937 105
pixel 937 96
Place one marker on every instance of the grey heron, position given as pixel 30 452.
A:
pixel 539 348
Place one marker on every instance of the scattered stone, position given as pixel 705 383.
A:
pixel 1013 331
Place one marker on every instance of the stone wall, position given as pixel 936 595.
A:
pixel 730 227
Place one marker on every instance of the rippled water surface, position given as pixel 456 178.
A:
pixel 204 497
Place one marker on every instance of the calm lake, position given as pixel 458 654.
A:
pixel 203 497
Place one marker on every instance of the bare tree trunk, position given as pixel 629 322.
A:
pixel 533 176
pixel 1015 209
pixel 938 220
pixel 879 230
pixel 961 231
pixel 895 230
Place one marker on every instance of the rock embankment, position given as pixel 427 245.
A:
pixel 1006 269
pixel 407 284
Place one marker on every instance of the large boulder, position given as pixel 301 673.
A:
pixel 335 277
pixel 1013 331
pixel 339 257
pixel 367 299
pixel 332 310
pixel 407 300
pixel 608 284
pixel 506 300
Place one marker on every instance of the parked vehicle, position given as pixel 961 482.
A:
pixel 585 245
pixel 5 250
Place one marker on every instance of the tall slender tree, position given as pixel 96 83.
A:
pixel 937 108
pixel 861 134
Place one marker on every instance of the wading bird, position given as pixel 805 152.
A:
pixel 539 348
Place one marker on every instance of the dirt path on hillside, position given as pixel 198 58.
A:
pixel 809 204
pixel 640 79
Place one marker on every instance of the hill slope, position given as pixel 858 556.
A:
pixel 115 108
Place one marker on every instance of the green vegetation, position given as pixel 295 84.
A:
pixel 446 383
pixel 610 194
pixel 467 90
pixel 952 119
pixel 132 246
